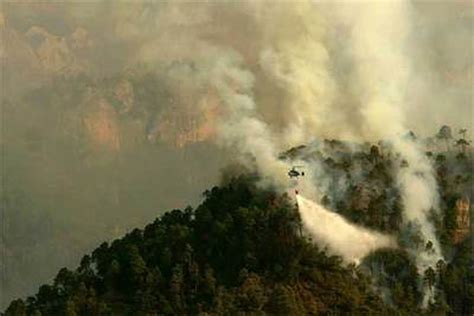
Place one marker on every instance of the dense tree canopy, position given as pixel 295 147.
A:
pixel 243 251
pixel 239 251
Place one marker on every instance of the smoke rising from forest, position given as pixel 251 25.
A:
pixel 268 76
pixel 314 102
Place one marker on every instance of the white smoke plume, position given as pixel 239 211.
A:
pixel 240 126
pixel 294 52
pixel 380 70
pixel 419 194
pixel 380 45
pixel 296 58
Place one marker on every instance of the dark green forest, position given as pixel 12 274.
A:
pixel 239 251
pixel 242 251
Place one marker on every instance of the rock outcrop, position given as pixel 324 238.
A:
pixel 462 220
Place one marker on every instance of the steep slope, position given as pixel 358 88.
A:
pixel 239 251
pixel 242 250
pixel 79 167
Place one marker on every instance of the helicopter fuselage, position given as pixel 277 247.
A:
pixel 293 173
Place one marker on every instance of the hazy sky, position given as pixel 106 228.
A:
pixel 103 38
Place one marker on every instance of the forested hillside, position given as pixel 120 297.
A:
pixel 239 251
pixel 243 251
pixel 84 161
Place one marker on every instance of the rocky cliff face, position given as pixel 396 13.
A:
pixel 36 56
pixel 53 52
pixel 462 220
pixel 183 125
pixel 19 61
pixel 180 128
pixel 102 125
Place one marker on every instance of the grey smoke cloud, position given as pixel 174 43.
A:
pixel 274 40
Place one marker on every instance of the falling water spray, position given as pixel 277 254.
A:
pixel 343 238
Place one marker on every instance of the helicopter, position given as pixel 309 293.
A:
pixel 293 173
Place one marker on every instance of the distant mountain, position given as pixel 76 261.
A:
pixel 37 60
pixel 37 56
